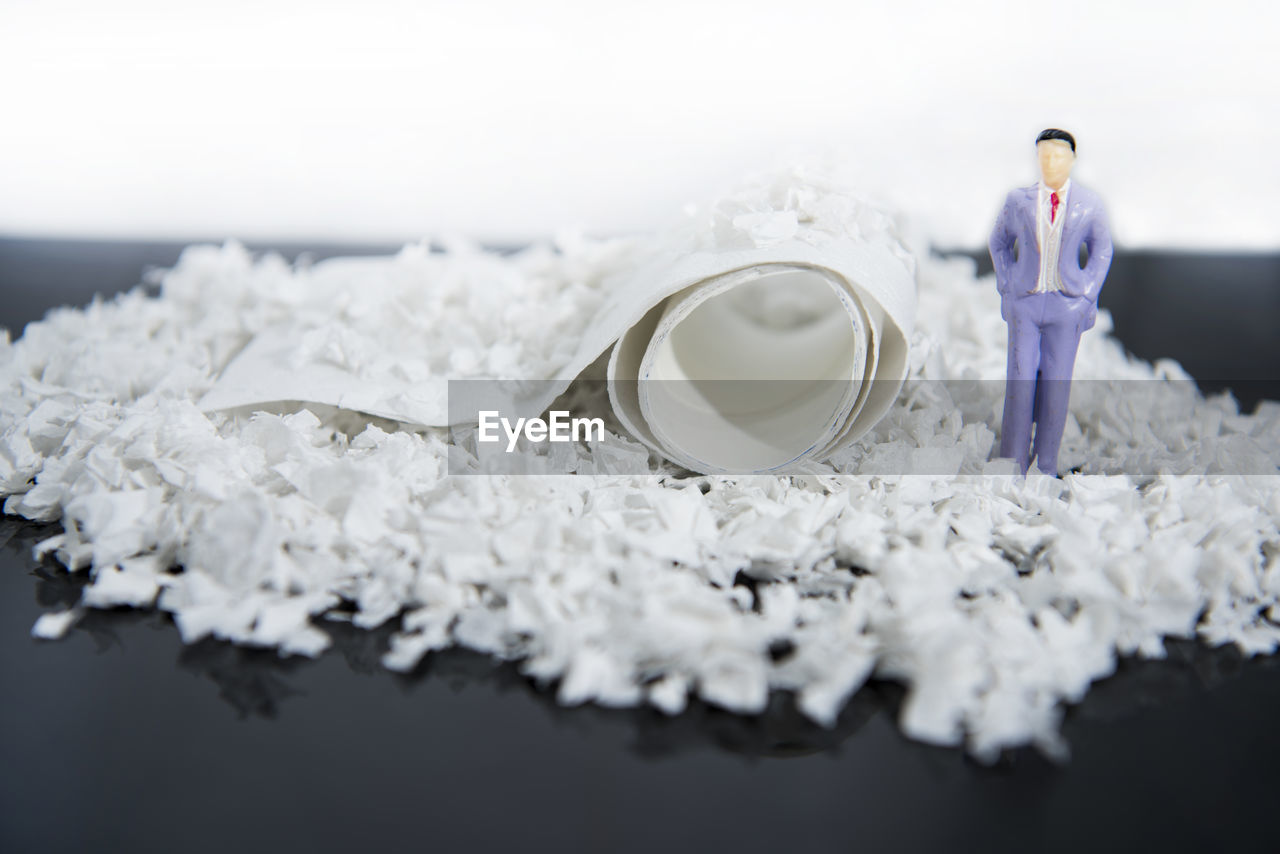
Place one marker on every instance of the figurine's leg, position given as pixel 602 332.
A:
pixel 1053 391
pixel 1020 380
pixel 1037 399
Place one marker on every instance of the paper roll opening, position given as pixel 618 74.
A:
pixel 750 370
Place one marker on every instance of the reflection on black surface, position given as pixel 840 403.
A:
pixel 259 683
pixel 1140 683
pixel 252 681
pixel 57 588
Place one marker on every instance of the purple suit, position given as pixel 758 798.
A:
pixel 1044 328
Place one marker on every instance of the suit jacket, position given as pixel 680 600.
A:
pixel 1086 224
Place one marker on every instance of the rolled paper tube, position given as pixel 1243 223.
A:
pixel 783 357
pixel 772 331
pixel 715 384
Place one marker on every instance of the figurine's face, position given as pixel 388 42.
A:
pixel 1056 160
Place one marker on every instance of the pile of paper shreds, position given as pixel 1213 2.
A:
pixel 994 598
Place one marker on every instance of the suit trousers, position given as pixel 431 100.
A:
pixel 1044 332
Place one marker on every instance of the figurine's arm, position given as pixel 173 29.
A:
pixel 1099 242
pixel 1001 246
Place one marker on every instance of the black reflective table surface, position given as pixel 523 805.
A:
pixel 120 738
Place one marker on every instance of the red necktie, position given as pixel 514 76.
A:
pixel 1053 205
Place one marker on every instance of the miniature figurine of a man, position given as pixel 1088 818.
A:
pixel 1046 297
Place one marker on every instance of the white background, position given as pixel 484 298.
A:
pixel 391 121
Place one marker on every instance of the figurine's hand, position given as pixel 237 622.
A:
pixel 1084 308
pixel 1091 317
pixel 1091 314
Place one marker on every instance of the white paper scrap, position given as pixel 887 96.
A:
pixel 794 280
pixel 995 599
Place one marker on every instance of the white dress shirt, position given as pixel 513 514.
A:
pixel 1049 236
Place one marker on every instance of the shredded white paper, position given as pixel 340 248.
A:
pixel 994 598
pixel 793 276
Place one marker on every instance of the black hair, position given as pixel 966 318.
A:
pixel 1054 133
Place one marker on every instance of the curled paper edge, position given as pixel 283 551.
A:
pixel 882 283
pixel 865 253
pixel 883 286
